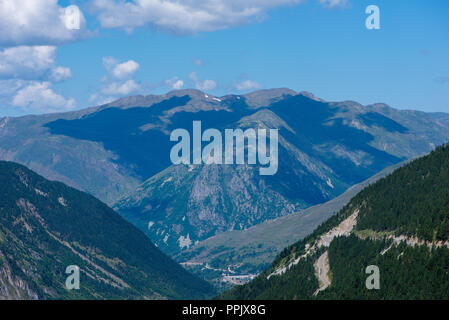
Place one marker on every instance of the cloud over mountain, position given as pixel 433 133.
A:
pixel 118 80
pixel 39 96
pixel 120 70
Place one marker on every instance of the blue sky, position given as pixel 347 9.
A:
pixel 321 46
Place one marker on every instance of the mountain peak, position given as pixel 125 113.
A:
pixel 311 96
pixel 265 97
pixel 194 93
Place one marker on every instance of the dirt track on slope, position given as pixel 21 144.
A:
pixel 322 271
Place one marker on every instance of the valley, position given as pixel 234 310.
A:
pixel 202 151
pixel 215 217
pixel 251 251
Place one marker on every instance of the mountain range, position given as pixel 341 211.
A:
pixel 119 153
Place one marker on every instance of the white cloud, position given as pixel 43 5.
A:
pixel 30 31
pixel 40 97
pixel 10 86
pixel 31 63
pixel 60 73
pixel 178 84
pixel 120 88
pixel 117 82
pixel 125 69
pixel 175 83
pixel 183 17
pixel 204 85
pixel 120 70
pixel 36 22
pixel 247 85
pixel 26 62
pixel 27 72
pixel 109 63
pixel 334 3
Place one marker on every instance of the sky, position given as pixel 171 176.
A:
pixel 51 63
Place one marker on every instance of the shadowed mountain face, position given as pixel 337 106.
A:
pixel 122 131
pixel 120 153
pixel 46 227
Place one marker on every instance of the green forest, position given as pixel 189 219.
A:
pixel 413 201
pixel 46 226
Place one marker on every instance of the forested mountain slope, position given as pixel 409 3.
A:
pixel 46 226
pixel 400 224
